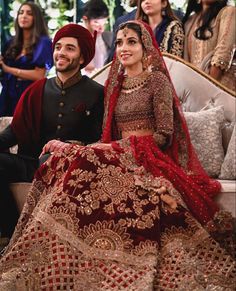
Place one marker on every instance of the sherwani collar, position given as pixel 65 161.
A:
pixel 70 82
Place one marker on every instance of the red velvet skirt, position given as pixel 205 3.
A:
pixel 115 219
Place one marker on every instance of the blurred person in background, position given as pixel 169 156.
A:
pixel 210 39
pixel 167 28
pixel 26 57
pixel 119 20
pixel 95 16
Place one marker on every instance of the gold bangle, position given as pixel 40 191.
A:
pixel 18 72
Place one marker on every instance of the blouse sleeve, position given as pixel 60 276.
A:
pixel 163 109
pixel 177 39
pixel 43 53
pixel 226 38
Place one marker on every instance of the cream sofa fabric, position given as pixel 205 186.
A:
pixel 196 92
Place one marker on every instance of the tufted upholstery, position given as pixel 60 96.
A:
pixel 196 91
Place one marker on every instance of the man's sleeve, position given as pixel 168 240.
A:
pixel 7 139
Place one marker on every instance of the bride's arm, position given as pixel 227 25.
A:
pixel 163 110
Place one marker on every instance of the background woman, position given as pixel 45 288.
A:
pixel 26 58
pixel 122 214
pixel 95 14
pixel 210 38
pixel 167 28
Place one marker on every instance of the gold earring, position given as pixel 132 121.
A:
pixel 163 12
pixel 145 62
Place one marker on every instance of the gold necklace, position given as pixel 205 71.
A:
pixel 135 82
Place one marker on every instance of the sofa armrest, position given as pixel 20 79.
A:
pixel 227 198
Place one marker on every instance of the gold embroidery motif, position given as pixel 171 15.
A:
pixel 146 248
pixel 106 236
pixel 175 33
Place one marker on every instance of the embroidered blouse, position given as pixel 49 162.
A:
pixel 143 105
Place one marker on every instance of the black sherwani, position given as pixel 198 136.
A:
pixel 69 111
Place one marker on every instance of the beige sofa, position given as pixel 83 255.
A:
pixel 201 97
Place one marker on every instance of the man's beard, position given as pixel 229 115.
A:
pixel 72 65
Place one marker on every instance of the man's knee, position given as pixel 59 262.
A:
pixel 6 167
pixel 12 168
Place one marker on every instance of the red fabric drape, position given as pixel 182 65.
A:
pixel 27 117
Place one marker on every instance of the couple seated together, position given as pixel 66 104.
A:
pixel 132 211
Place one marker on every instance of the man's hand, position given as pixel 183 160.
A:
pixel 53 146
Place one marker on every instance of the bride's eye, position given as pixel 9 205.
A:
pixel 118 43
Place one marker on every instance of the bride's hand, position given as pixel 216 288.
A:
pixel 53 146
pixel 102 146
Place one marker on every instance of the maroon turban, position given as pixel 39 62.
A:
pixel 85 40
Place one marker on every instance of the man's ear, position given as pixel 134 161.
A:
pixel 85 18
pixel 81 59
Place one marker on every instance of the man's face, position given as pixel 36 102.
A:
pixel 133 3
pixel 67 55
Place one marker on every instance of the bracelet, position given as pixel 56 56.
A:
pixel 18 72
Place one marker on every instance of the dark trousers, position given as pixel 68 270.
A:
pixel 13 168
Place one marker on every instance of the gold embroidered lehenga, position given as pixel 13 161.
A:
pixel 124 218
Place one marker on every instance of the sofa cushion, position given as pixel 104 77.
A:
pixel 205 132
pixel 228 168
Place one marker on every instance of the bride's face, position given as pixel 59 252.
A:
pixel 129 48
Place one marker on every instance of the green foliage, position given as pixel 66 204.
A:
pixel 111 6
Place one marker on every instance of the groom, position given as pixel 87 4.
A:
pixel 66 107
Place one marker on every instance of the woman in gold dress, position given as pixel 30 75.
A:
pixel 210 39
pixel 132 212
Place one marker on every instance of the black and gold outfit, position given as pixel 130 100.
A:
pixel 169 35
